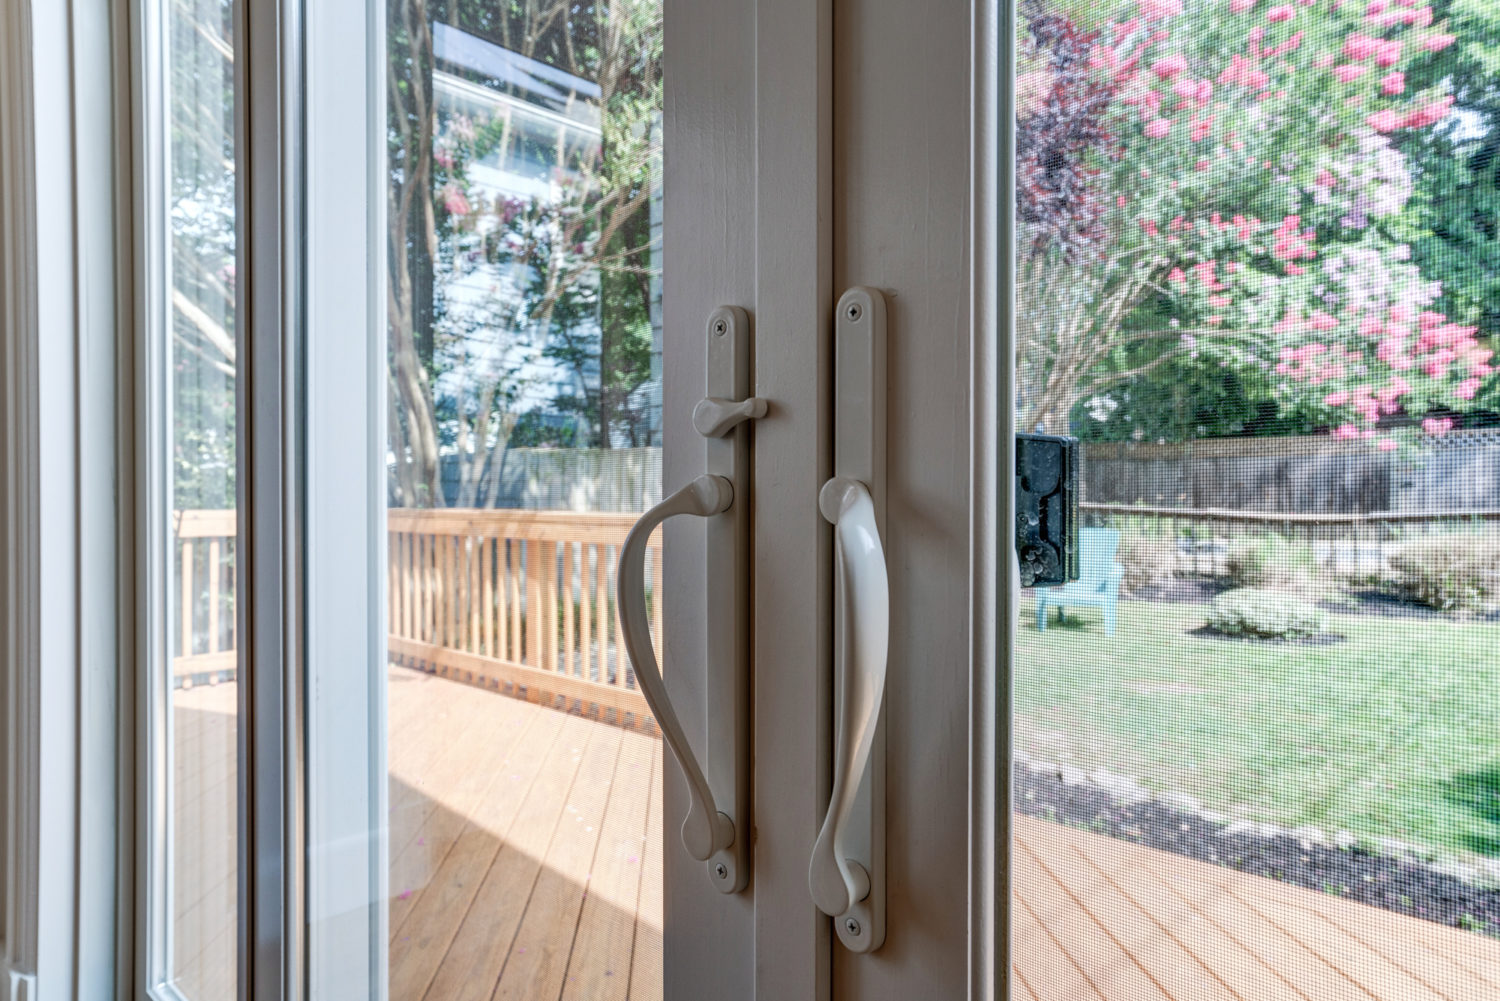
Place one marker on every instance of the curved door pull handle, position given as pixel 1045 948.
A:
pixel 705 830
pixel 847 872
pixel 837 880
pixel 716 829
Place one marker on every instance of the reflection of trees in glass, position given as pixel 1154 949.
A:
pixel 518 316
pixel 202 235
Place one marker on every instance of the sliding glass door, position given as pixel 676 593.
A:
pixel 190 698
pixel 402 385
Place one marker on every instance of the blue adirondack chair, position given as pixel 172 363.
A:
pixel 1098 580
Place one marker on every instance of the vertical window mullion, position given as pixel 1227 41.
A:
pixel 269 132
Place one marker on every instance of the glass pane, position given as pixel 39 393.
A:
pixel 200 727
pixel 1255 741
pixel 524 439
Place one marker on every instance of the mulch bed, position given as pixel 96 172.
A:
pixel 1395 884
pixel 1322 639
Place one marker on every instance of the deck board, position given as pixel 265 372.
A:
pixel 526 854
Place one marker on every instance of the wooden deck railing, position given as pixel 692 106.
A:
pixel 522 600
pixel 512 599
pixel 204 641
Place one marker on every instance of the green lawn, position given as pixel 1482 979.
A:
pixel 1393 733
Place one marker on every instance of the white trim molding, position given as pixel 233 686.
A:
pixel 59 528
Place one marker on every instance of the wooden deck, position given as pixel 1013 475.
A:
pixel 526 862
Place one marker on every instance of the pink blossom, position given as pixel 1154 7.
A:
pixel 1177 276
pixel 1158 128
pixel 1437 425
pixel 1155 10
pixel 1437 43
pixel 1393 83
pixel 1322 321
pixel 1170 66
pixel 1388 445
pixel 1391 350
pixel 1346 431
pixel 1283 12
pixel 1467 389
pixel 1240 6
pixel 1219 301
pixel 1376 7
pixel 1336 399
pixel 1394 390
pixel 1421 18
pixel 1401 313
pixel 1349 72
pixel 1388 53
pixel 1358 46
pixel 1384 120
pixel 454 200
pixel 1326 179
pixel 1429 114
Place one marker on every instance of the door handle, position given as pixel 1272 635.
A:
pixel 717 827
pixel 705 830
pixel 837 879
pixel 846 874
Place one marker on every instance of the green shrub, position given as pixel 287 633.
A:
pixel 1452 573
pixel 1149 561
pixel 1264 614
pixel 1269 562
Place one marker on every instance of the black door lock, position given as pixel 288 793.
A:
pixel 1047 508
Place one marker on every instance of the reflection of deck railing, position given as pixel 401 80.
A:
pixel 517 600
pixel 203 642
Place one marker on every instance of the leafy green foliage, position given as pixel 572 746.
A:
pixel 1451 573
pixel 1268 561
pixel 1262 614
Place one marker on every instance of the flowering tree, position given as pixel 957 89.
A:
pixel 1238 165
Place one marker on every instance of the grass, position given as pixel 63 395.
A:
pixel 1393 733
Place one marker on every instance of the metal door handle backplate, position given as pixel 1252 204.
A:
pixel 717 827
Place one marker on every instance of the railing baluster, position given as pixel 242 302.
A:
pixel 548 552
pixel 213 595
pixel 486 598
pixel 419 596
pixel 471 553
pixel 614 619
pixel 187 599
pixel 534 644
pixel 569 661
pixel 601 609
pixel 585 611
pixel 514 545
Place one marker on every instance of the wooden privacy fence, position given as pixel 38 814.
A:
pixel 522 601
pixel 1340 543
